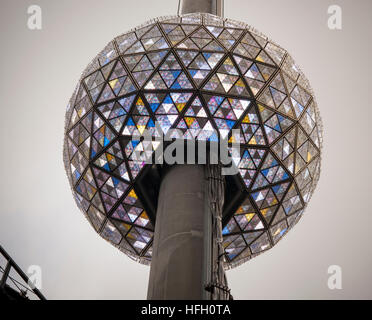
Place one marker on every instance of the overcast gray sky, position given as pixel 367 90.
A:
pixel 40 223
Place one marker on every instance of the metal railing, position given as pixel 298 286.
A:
pixel 10 287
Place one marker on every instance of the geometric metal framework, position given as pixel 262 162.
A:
pixel 205 76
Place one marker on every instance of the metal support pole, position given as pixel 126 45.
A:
pixel 187 259
pixel 207 6
pixel 178 248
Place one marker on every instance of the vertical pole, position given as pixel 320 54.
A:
pixel 187 260
pixel 187 241
pixel 207 6
pixel 178 248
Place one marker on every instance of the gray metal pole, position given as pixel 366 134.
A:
pixel 183 246
pixel 177 261
pixel 208 6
